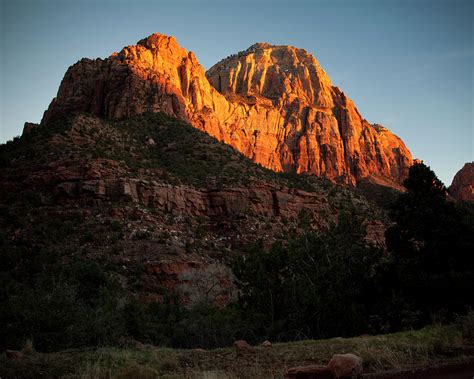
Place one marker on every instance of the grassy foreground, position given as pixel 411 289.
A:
pixel 431 345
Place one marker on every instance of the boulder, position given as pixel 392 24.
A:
pixel 346 366
pixel 14 355
pixel 242 347
pixel 150 142
pixel 28 127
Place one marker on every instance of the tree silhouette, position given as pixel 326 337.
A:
pixel 432 242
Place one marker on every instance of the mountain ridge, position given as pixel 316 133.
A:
pixel 294 121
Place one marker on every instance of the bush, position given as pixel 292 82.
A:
pixel 72 307
pixel 320 285
pixel 432 244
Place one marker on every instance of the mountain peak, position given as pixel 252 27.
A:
pixel 266 45
pixel 156 40
pixel 462 187
pixel 275 104
pixel 260 46
pixel 279 73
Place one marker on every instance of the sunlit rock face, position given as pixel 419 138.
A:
pixel 462 187
pixel 275 104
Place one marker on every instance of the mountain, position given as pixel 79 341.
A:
pixel 145 170
pixel 462 187
pixel 154 200
pixel 274 104
pixel 161 203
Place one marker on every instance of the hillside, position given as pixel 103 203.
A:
pixel 143 207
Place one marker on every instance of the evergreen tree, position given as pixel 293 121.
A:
pixel 320 284
pixel 432 243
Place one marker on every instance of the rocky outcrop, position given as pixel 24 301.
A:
pixel 28 127
pixel 462 187
pixel 79 182
pixel 275 104
pixel 104 179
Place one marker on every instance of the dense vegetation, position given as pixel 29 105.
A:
pixel 330 284
pixel 317 284
pixel 432 247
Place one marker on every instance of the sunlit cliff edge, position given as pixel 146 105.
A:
pixel 275 104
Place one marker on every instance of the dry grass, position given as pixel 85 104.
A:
pixel 434 344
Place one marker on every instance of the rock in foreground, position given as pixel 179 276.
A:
pixel 345 365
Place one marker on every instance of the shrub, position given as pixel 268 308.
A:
pixel 75 307
pixel 320 285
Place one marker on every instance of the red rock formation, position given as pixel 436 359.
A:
pixel 346 365
pixel 275 104
pixel 28 127
pixel 101 179
pixel 462 187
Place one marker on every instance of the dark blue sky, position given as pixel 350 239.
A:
pixel 406 64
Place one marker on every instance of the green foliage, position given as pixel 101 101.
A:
pixel 466 324
pixel 64 307
pixel 333 283
pixel 262 278
pixel 320 285
pixel 432 244
pixel 82 305
pixel 169 323
pixel 35 146
pixel 208 327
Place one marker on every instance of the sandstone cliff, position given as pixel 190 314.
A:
pixel 275 104
pixel 462 187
